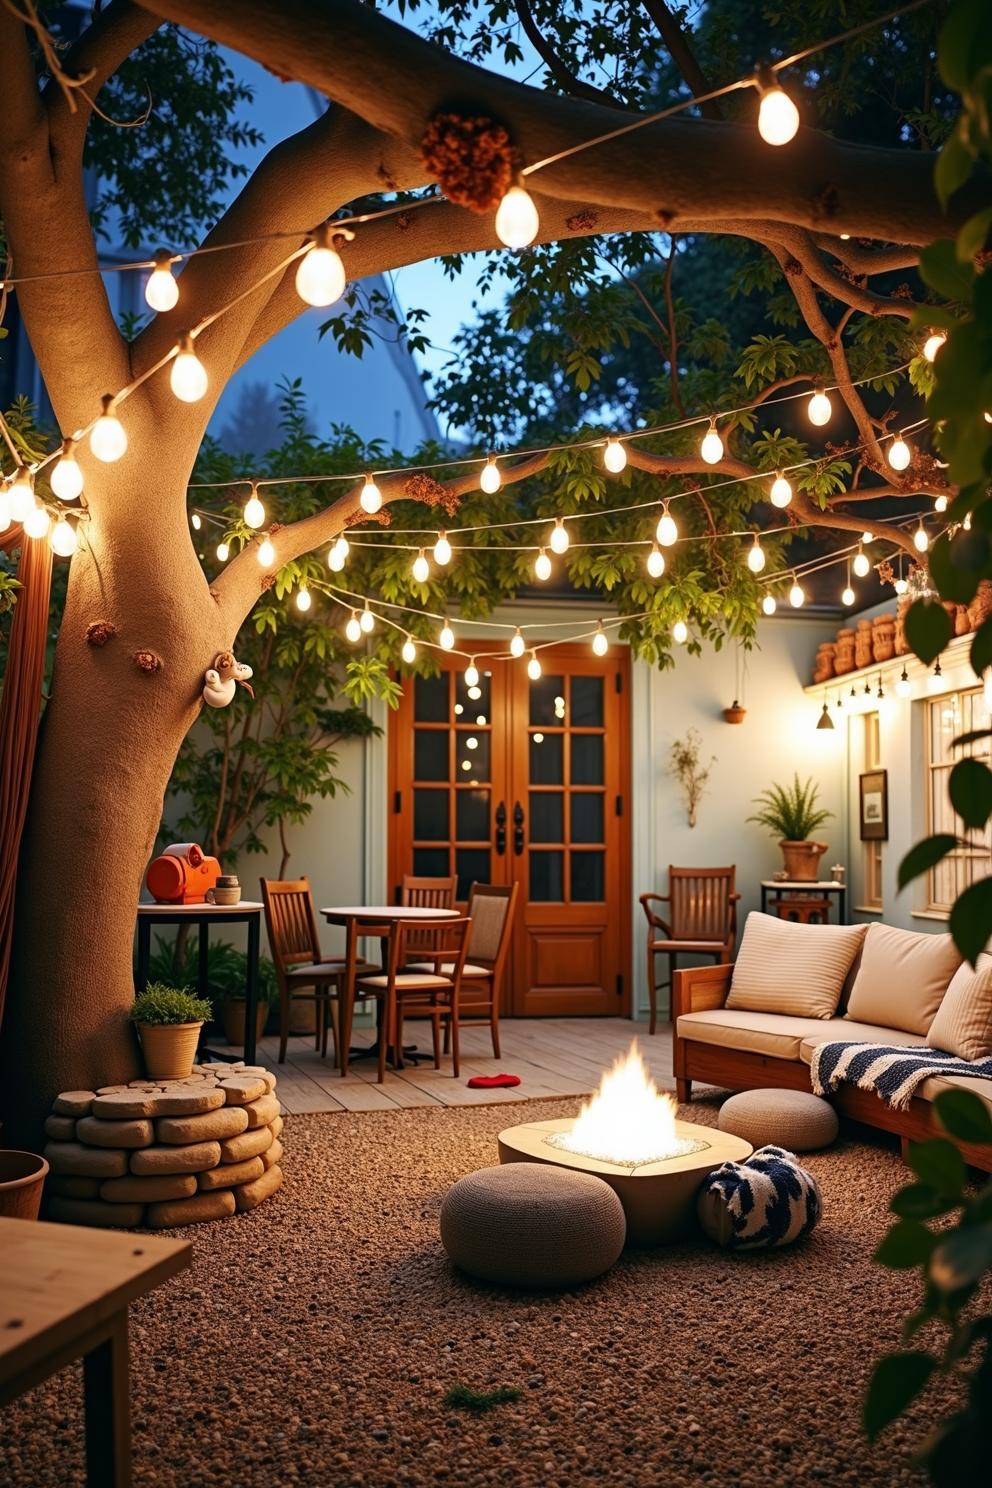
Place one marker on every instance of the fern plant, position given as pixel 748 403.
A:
pixel 161 1004
pixel 790 812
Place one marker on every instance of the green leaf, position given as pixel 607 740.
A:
pixel 939 1164
pixel 920 1201
pixel 970 790
pixel 981 648
pixel 925 855
pixel 908 1244
pixel 954 166
pixel 954 581
pixel 962 1258
pixel 971 916
pixel 964 1115
pixel 928 629
pixel 895 1383
pixel 971 238
pixel 941 269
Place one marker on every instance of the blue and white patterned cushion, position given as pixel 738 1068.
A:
pixel 767 1201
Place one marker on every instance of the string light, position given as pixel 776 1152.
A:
pixel 442 549
pixel 67 477
pixel 880 693
pixel 337 555
pixel 867 537
pixel 901 585
pixel 666 532
pixel 320 275
pixel 303 599
pixel 769 604
pixel 825 721
pixel 188 376
pixel 778 117
pixel 517 644
pixel 108 437
pixel 558 540
pixel 421 568
pixel 935 681
pixel 933 343
pixel 614 456
pixel 940 503
pixel 542 566
pixel 781 492
pixel 37 522
pixel 195 522
pixel 899 453
pixel 903 686
pixel 861 563
pixel 797 595
pixel 471 673
pixel 371 498
pixel 161 289
pixel 680 632
pixel 517 221
pixel 367 620
pixel 490 480
pixel 63 538
pixel 756 558
pixel 223 552
pixel 353 629
pixel 409 651
pixel 600 641
pixel 21 495
pixel 534 667
pixel 266 553
pixel 254 512
pixel 447 636
pixel 656 561
pixel 819 408
pixel 848 597
pixel 4 509
pixel 711 448
pixel 921 539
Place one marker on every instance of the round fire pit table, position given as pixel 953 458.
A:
pixel 658 1197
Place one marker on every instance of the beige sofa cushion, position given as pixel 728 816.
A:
pixel 796 970
pixel 847 1031
pixel 937 1083
pixel 963 1022
pixel 776 1034
pixel 902 978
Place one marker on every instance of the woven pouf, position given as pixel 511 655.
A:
pixel 794 1119
pixel 532 1225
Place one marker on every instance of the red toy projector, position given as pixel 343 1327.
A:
pixel 182 875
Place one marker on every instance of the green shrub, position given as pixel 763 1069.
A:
pixel 789 811
pixel 226 969
pixel 161 1004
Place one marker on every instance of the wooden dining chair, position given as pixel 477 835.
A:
pixel 702 921
pixel 491 909
pixel 434 992
pixel 426 893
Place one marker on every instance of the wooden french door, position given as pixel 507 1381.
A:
pixel 527 782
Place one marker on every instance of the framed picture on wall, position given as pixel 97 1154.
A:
pixel 874 806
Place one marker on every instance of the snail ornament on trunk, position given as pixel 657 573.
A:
pixel 222 679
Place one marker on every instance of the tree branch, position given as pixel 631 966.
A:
pixel 682 55
pixel 109 41
pixel 563 76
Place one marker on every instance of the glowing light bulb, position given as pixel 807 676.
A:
pixel 935 681
pixel 517 646
pixel 867 537
pixel 797 595
pixel 254 512
pixel 542 566
pixel 471 674
pixel 680 632
pixel 711 448
pixel 534 667
pixel 490 480
pixel 600 642
pixel 819 408
pixel 899 453
pixel 161 289
pixel 447 636
pixel 778 117
pixel 63 538
pixel 656 561
pixel 421 568
pixel 940 503
pixel 517 221
pixel 37 522
pixel 769 604
pixel 303 599
pixel 320 275
pixel 781 492
pixel 223 552
pixel 336 557
pixel 353 629
pixel 756 558
pixel 903 686
pixel 666 532
pixel 409 651
pixel 442 549
pixel 367 620
pixel 21 495
pixel 861 564
pixel 933 343
pixel 848 596
pixel 921 539
pixel 108 439
pixel 266 553
pixel 371 497
pixel 67 478
pixel 614 456
pixel 4 508
pixel 559 539
pixel 901 585
pixel 188 377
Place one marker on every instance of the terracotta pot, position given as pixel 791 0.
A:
pixel 169 1048
pixel 22 1176
pixel 981 606
pixel 234 1020
pixel 884 648
pixel 802 860
pixel 962 623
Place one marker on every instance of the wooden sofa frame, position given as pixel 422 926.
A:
pixel 703 988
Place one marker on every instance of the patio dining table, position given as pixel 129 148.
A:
pixel 362 921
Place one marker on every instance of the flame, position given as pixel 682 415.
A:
pixel 628 1120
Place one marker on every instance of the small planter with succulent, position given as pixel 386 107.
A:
pixel 168 1020
pixel 791 814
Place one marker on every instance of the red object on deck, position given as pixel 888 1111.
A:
pixel 492 1082
pixel 182 875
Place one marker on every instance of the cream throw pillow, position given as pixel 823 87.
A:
pixel 963 1024
pixel 902 978
pixel 784 967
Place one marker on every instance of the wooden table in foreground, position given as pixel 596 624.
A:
pixel 64 1294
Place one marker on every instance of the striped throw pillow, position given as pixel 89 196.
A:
pixel 785 967
pixel 963 1022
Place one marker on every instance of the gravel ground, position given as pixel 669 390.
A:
pixel 313 1341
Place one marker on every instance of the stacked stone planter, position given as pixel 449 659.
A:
pixel 158 1153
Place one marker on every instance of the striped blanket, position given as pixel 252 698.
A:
pixel 894 1073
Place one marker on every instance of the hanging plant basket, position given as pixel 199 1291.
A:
pixel 735 713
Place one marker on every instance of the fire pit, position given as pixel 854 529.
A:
pixel 627 1135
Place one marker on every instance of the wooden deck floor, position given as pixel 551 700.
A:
pixel 552 1056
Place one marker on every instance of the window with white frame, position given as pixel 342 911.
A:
pixel 948 717
pixel 871 864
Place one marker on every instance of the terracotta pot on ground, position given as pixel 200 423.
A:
pixel 234 1020
pixel 169 1048
pixel 802 860
pixel 22 1177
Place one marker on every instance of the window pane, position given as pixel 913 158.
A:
pixel 430 816
pixel 587 702
pixel 547 819
pixel 431 862
pixel 587 759
pixel 430 754
pixel 430 699
pixel 472 815
pixel 472 756
pixel 547 759
pixel 546 876
pixel 587 877
pixel 471 866
pixel 547 701
pixel 587 817
pixel 474 700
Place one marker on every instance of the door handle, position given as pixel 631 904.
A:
pixel 518 828
pixel 501 828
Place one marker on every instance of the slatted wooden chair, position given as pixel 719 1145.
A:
pixel 303 973
pixel 425 893
pixel 491 909
pixel 434 992
pixel 702 921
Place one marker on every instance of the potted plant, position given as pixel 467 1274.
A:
pixel 22 1175
pixel 168 1020
pixel 790 812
